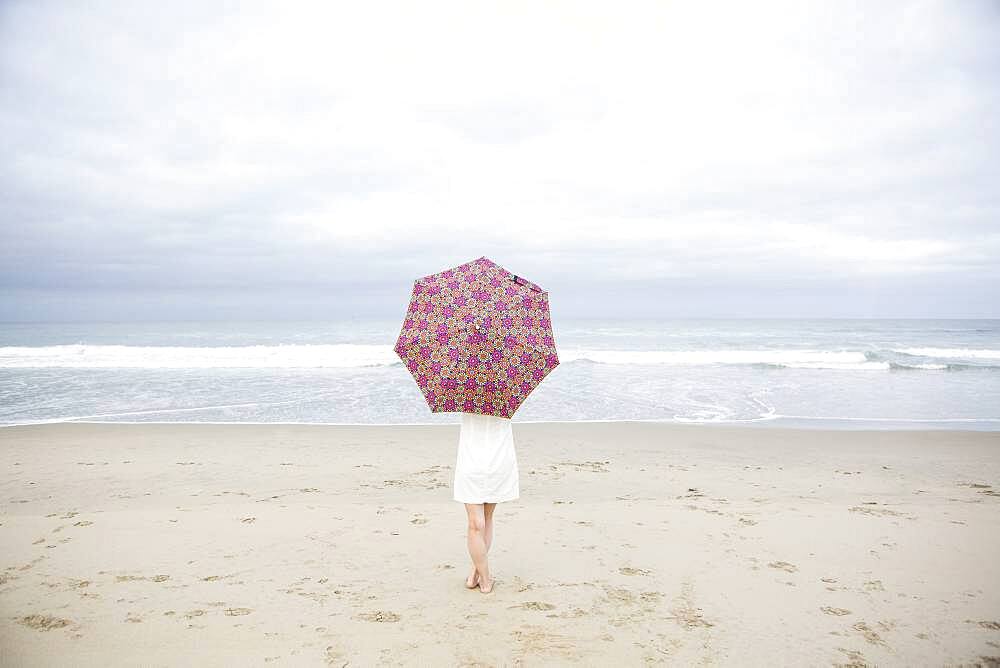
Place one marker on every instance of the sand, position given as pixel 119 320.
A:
pixel 632 543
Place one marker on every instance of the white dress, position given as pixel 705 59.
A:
pixel 486 465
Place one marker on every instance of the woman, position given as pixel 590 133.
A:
pixel 485 475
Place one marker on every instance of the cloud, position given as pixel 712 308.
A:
pixel 214 146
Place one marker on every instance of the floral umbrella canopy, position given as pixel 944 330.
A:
pixel 477 339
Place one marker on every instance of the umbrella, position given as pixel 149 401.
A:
pixel 477 339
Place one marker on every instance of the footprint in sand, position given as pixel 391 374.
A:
pixel 835 611
pixel 869 634
pixel 595 466
pixel 521 586
pixel 784 565
pixel 883 512
pixel 379 616
pixel 830 582
pixel 43 622
pixel 856 658
pixel 248 520
pixel 334 656
pixel 535 605
pixel 628 570
pixel 572 614
pixel 30 563
pixel 237 612
pixel 688 616
pixel 82 523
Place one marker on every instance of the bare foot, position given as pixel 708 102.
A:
pixel 486 588
pixel 473 579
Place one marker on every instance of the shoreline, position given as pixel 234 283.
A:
pixel 784 422
pixel 631 542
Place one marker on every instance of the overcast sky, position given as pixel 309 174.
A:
pixel 285 160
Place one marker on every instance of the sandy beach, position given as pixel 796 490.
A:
pixel 632 543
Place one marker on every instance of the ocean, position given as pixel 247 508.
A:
pixel 844 374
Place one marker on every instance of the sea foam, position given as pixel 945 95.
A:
pixel 193 357
pixel 795 359
pixel 952 353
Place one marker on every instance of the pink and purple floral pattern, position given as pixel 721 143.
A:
pixel 477 339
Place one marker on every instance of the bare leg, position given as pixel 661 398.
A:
pixel 477 544
pixel 488 509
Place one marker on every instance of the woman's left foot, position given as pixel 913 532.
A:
pixel 473 580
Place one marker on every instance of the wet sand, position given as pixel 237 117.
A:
pixel 632 543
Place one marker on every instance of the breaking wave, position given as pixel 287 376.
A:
pixel 348 355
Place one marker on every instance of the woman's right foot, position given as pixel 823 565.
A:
pixel 472 580
pixel 487 587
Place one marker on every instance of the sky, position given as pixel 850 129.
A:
pixel 202 160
